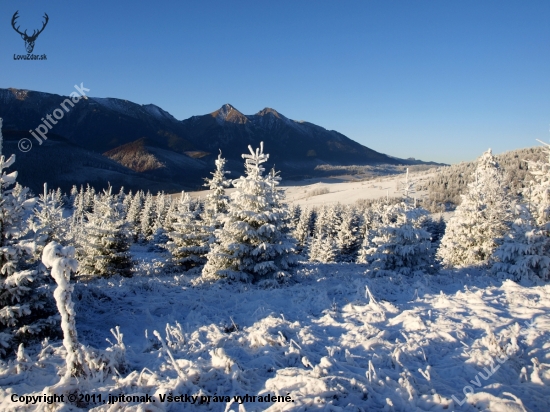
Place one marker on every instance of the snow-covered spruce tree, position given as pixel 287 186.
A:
pixel 133 222
pixel 171 214
pixel 322 248
pixel 525 251
pixel 47 221
pixel 59 197
pixel 189 240
pixel 72 196
pixel 216 204
pixel 347 233
pixel 26 307
pixel 89 198
pixel 147 218
pixel 302 230
pixel 126 203
pixel 322 245
pixel 480 220
pixel 161 209
pixel 103 250
pixel 294 212
pixel 400 243
pixel 372 221
pixel 251 245
pixel 539 193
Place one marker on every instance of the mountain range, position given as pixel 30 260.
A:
pixel 107 140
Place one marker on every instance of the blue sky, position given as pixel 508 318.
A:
pixel 435 80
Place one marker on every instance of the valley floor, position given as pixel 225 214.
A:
pixel 330 338
pixel 345 190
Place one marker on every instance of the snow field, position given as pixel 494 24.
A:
pixel 340 190
pixel 332 339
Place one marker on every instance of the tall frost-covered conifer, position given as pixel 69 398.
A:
pixel 217 201
pixel 25 305
pixel 252 246
pixel 480 220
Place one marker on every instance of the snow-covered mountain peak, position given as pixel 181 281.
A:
pixel 228 113
pixel 268 111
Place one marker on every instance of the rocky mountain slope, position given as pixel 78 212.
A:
pixel 102 140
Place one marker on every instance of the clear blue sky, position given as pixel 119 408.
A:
pixel 435 80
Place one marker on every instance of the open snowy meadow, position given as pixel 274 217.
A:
pixel 329 339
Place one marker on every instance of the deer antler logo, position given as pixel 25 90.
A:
pixel 29 40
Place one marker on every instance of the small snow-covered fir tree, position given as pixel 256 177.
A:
pixel 400 244
pixel 147 217
pixel 252 246
pixel 26 309
pixel 539 194
pixel 322 248
pixel 161 208
pixel 323 243
pixel 47 221
pixel 346 236
pixel 78 217
pixel 480 220
pixel 172 214
pixel 133 221
pixel 126 203
pixel 294 212
pixel 216 204
pixel 72 196
pixel 89 198
pixel 302 229
pixel 103 250
pixel 372 221
pixel 189 239
pixel 525 251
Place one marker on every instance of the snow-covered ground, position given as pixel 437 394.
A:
pixel 331 338
pixel 343 189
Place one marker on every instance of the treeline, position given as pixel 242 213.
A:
pixel 449 183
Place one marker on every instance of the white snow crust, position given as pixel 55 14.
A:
pixel 331 338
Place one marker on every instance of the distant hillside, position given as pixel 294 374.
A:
pixel 445 188
pixel 143 144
